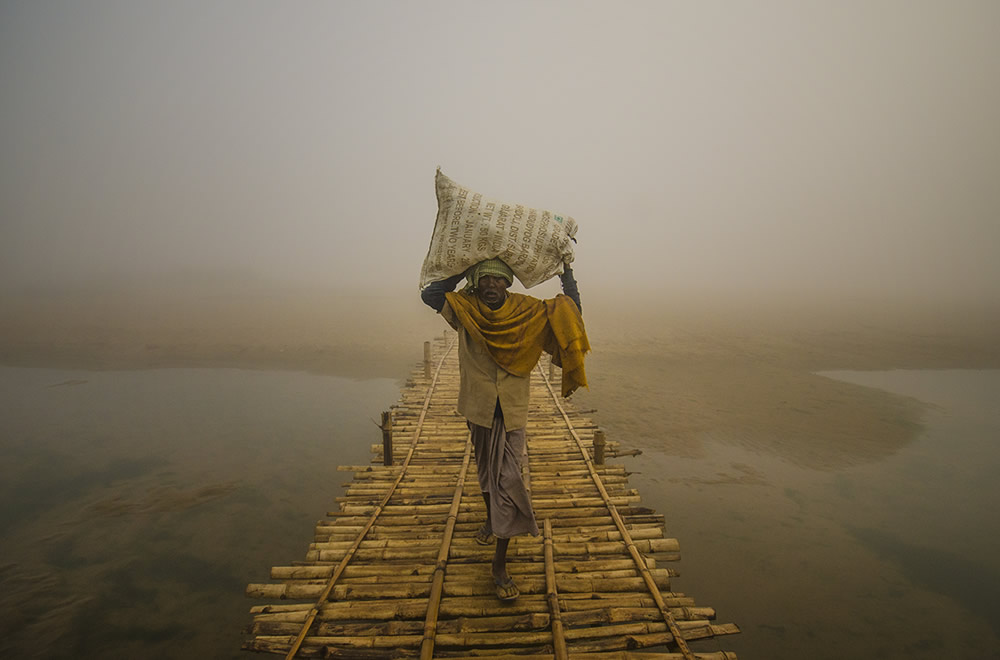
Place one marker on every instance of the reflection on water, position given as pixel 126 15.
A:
pixel 139 504
pixel 898 558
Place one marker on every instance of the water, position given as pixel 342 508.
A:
pixel 139 504
pixel 894 558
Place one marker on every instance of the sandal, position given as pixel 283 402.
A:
pixel 485 536
pixel 506 589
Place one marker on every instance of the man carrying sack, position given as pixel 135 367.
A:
pixel 501 337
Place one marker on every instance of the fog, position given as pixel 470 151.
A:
pixel 746 146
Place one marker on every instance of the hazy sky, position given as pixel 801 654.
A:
pixel 756 144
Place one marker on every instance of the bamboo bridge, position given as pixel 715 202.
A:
pixel 396 571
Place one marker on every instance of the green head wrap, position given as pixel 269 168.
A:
pixel 493 267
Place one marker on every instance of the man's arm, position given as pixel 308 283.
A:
pixel 569 286
pixel 433 294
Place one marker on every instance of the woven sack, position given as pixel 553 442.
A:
pixel 470 228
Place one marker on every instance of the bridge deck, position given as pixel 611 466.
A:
pixel 396 572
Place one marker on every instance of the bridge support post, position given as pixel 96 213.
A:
pixel 427 360
pixel 386 437
pixel 599 447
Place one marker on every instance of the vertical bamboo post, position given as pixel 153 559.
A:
pixel 598 447
pixel 427 360
pixel 386 437
pixel 552 370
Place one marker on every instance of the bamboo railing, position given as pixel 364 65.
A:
pixel 395 570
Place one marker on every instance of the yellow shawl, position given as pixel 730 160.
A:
pixel 516 334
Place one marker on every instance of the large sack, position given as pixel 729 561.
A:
pixel 470 228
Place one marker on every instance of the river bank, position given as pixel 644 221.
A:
pixel 696 363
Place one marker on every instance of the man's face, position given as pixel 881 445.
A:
pixel 492 290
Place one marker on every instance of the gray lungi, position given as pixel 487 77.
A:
pixel 498 463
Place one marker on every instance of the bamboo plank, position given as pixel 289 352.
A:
pixel 290 623
pixel 474 606
pixel 642 634
pixel 582 567
pixel 306 590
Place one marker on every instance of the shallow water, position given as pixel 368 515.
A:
pixel 139 504
pixel 894 558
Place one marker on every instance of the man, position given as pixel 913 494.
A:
pixel 501 337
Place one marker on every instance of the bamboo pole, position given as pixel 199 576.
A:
pixel 289 623
pixel 599 447
pixel 567 544
pixel 413 571
pixel 609 568
pixel 581 604
pixel 386 438
pixel 642 633
pixel 434 603
pixel 434 530
pixel 525 548
pixel 430 533
pixel 308 590
pixel 551 594
pixel 579 507
pixel 427 360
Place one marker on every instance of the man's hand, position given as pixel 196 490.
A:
pixel 570 287
pixel 433 293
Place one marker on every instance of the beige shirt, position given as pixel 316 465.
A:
pixel 482 382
